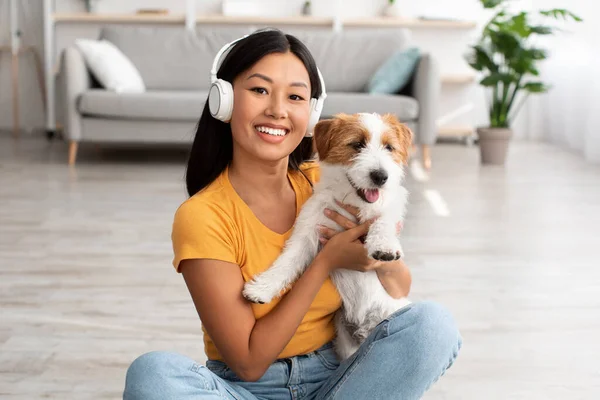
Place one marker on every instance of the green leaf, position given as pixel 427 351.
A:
pixel 558 13
pixel 506 43
pixel 518 25
pixel 481 60
pixel 491 3
pixel 541 30
pixel 495 78
pixel 535 87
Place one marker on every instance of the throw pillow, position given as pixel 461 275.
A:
pixel 395 73
pixel 110 66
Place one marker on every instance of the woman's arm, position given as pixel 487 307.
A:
pixel 250 346
pixel 395 277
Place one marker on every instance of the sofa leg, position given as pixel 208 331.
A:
pixel 426 154
pixel 72 152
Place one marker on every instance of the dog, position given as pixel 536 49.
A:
pixel 362 158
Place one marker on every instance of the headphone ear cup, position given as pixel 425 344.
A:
pixel 220 100
pixel 316 106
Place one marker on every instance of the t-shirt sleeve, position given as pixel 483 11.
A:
pixel 202 230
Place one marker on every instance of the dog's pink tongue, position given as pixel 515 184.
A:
pixel 371 195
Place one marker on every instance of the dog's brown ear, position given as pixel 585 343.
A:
pixel 322 137
pixel 403 133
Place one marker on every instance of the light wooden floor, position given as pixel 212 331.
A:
pixel 86 283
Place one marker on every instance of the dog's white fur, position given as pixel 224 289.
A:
pixel 365 302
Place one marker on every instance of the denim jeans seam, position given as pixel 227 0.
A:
pixel 444 370
pixel 197 367
pixel 349 372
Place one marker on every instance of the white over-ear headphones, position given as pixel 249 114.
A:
pixel 220 95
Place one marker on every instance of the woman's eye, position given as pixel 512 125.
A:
pixel 296 97
pixel 357 145
pixel 259 90
pixel 389 147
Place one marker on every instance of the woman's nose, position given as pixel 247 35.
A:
pixel 277 107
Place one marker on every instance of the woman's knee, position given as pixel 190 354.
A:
pixel 433 332
pixel 160 374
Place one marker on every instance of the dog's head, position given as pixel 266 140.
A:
pixel 371 148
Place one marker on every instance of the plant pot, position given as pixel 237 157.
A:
pixel 493 144
pixel 392 10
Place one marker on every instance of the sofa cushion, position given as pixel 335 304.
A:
pixel 404 107
pixel 113 70
pixel 152 105
pixel 171 58
pixel 348 59
pixel 395 73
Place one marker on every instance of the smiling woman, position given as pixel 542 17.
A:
pixel 249 173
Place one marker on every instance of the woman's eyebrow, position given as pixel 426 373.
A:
pixel 266 78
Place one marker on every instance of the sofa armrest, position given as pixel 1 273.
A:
pixel 426 90
pixel 76 80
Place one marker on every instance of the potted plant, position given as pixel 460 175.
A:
pixel 508 61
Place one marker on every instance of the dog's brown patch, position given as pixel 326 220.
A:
pixel 337 139
pixel 399 136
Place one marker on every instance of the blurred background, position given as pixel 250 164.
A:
pixel 99 101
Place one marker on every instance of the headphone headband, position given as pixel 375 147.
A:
pixel 221 55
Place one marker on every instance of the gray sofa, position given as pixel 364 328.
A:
pixel 175 64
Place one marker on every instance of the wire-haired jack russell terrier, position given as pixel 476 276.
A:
pixel 362 158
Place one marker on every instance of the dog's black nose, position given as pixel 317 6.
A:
pixel 379 177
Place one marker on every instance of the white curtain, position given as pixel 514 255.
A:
pixel 569 115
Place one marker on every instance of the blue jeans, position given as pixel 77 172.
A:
pixel 401 359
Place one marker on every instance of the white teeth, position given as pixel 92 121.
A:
pixel 271 131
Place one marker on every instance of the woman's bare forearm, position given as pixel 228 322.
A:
pixel 395 277
pixel 273 332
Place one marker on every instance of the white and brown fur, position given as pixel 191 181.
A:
pixel 355 152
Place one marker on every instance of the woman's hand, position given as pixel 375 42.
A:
pixel 346 250
pixel 345 223
pixel 350 247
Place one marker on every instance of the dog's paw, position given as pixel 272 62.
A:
pixel 259 291
pixel 389 252
pixel 385 256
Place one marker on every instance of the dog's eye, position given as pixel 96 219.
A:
pixel 357 145
pixel 389 147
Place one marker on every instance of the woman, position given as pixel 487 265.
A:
pixel 247 179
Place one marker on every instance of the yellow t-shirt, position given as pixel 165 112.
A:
pixel 215 223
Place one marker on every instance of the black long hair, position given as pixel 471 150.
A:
pixel 212 149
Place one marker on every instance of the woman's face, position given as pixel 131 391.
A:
pixel 271 107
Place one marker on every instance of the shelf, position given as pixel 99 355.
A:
pixel 458 79
pixel 299 20
pixel 453 131
pixel 120 18
pixel 408 23
pixel 294 20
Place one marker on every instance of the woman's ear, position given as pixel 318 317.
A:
pixel 322 137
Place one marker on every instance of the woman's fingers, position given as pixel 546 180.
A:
pixel 360 230
pixel 351 209
pixel 326 233
pixel 398 227
pixel 339 219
